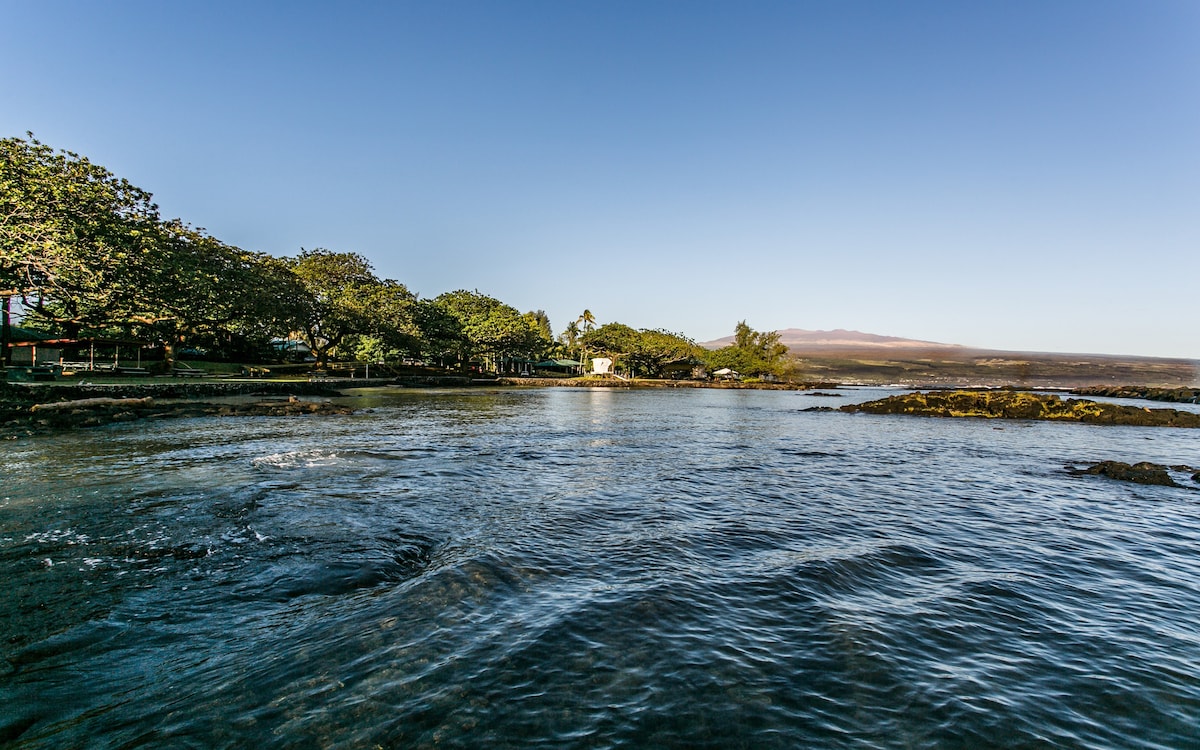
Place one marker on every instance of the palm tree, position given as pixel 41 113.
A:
pixel 570 339
pixel 589 323
pixel 588 320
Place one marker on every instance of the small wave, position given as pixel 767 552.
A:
pixel 289 460
pixel 808 454
pixel 316 458
pixel 871 568
pixel 72 641
pixel 398 558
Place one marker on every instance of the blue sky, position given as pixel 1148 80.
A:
pixel 1011 175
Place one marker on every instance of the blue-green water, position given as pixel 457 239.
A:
pixel 597 568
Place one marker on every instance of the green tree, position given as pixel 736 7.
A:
pixel 203 288
pixel 644 352
pixel 271 304
pixel 614 340
pixel 541 335
pixel 656 349
pixel 441 333
pixel 392 318
pixel 492 332
pixel 371 349
pixel 75 240
pixel 586 321
pixel 338 291
pixel 388 328
pixel 541 322
pixel 569 339
pixel 752 353
pixel 87 251
pixel 570 335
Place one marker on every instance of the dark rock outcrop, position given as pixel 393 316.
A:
pixel 1174 395
pixel 94 412
pixel 28 393
pixel 1020 405
pixel 1143 472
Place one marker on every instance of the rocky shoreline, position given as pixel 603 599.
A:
pixel 643 383
pixel 102 411
pixel 31 393
pixel 1021 405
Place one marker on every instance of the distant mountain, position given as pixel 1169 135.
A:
pixel 799 339
pixel 867 358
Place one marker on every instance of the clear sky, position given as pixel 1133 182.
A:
pixel 1015 175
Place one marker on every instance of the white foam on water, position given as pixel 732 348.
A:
pixel 290 460
pixel 50 536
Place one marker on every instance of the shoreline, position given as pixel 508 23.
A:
pixel 650 383
pixel 28 393
pixel 60 391
pixel 28 409
pixel 31 393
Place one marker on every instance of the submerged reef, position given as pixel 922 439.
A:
pixel 93 412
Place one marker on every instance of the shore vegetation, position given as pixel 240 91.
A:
pixel 86 255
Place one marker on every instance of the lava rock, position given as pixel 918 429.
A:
pixel 1178 395
pixel 1022 405
pixel 97 412
pixel 1143 472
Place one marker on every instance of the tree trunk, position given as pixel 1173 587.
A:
pixel 5 332
pixel 322 355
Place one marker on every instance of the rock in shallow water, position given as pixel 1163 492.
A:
pixel 1021 405
pixel 1143 472
pixel 96 412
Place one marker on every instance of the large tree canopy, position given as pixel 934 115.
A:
pixel 83 250
pixel 751 353
pixel 491 330
pixel 644 352
pixel 76 242
pixel 216 290
pixel 87 251
pixel 343 298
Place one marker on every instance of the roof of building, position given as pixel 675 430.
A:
pixel 17 333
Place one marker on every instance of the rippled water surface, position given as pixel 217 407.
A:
pixel 597 568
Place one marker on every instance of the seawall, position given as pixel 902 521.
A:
pixel 639 383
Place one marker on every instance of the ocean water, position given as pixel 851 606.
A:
pixel 597 568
